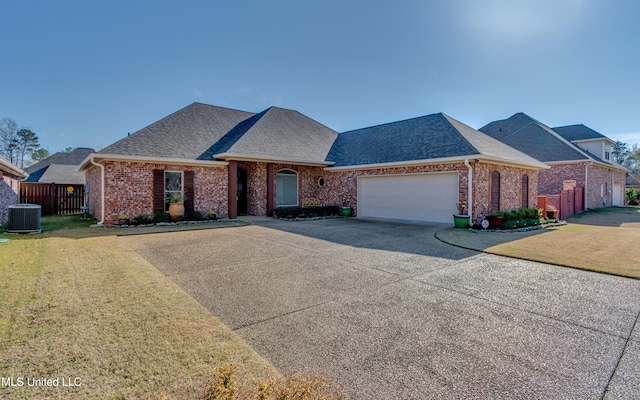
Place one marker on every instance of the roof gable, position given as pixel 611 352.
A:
pixel 533 138
pixel 279 133
pixel 186 134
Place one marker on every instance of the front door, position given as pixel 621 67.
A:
pixel 242 192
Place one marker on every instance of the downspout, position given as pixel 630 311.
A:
pixel 469 190
pixel 101 191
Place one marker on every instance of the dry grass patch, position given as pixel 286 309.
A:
pixel 93 310
pixel 603 240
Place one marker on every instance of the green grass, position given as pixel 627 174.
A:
pixel 602 240
pixel 73 226
pixel 94 309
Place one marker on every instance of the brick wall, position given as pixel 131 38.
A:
pixel 600 181
pixel 129 188
pixel 94 191
pixel 8 196
pixel 552 180
pixel 510 188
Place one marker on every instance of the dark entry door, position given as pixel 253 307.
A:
pixel 242 192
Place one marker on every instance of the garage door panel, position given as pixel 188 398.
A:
pixel 417 197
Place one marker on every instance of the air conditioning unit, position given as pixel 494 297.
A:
pixel 24 218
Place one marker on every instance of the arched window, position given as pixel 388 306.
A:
pixel 495 191
pixel 286 188
pixel 525 191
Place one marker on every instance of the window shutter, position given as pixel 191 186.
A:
pixel 188 191
pixel 525 191
pixel 158 190
pixel 495 191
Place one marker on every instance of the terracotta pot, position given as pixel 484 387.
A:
pixel 176 211
pixel 552 214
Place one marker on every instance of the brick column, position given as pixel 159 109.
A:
pixel 270 190
pixel 233 189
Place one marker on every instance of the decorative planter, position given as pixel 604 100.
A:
pixel 494 221
pixel 176 211
pixel 460 221
pixel 552 214
pixel 346 211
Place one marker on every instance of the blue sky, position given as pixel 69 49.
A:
pixel 85 73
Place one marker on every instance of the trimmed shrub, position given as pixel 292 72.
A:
pixel 195 216
pixel 142 220
pixel 306 212
pixel 520 218
pixel 161 216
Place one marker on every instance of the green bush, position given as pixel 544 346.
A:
pixel 306 212
pixel 633 196
pixel 195 216
pixel 142 219
pixel 161 216
pixel 519 218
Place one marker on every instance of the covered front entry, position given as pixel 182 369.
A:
pixel 429 197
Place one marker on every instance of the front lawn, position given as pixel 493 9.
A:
pixel 93 313
pixel 604 240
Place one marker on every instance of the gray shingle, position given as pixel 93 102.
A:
pixel 186 134
pixel 75 157
pixel 533 138
pixel 432 136
pixel 578 132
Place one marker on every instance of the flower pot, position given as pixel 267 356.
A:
pixel 552 214
pixel 494 221
pixel 460 221
pixel 346 211
pixel 176 211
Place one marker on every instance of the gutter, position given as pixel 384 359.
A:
pixel 586 185
pixel 101 191
pixel 469 190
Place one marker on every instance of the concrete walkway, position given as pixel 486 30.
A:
pixel 389 312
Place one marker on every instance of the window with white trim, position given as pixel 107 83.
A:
pixel 286 188
pixel 172 186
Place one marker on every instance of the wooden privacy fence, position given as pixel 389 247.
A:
pixel 53 198
pixel 567 202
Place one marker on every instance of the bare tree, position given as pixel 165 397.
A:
pixel 8 138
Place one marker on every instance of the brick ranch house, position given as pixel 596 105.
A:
pixel 578 157
pixel 10 177
pixel 237 162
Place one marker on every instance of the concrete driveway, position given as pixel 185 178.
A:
pixel 389 312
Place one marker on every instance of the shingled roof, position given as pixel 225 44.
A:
pixel 59 167
pixel 204 132
pixel 186 134
pixel 578 132
pixel 431 137
pixel 533 138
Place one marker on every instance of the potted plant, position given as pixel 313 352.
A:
pixel 552 212
pixel 176 205
pixel 495 219
pixel 346 210
pixel 212 215
pixel 461 220
pixel 123 219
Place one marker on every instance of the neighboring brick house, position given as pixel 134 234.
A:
pixel 236 162
pixel 577 155
pixel 10 176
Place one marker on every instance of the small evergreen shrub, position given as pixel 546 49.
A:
pixel 520 218
pixel 306 212
pixel 142 220
pixel 195 216
pixel 161 216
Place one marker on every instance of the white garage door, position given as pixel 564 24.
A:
pixel 416 197
pixel 618 195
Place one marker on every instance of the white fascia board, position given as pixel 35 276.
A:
pixel 12 169
pixel 156 160
pixel 254 158
pixel 591 162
